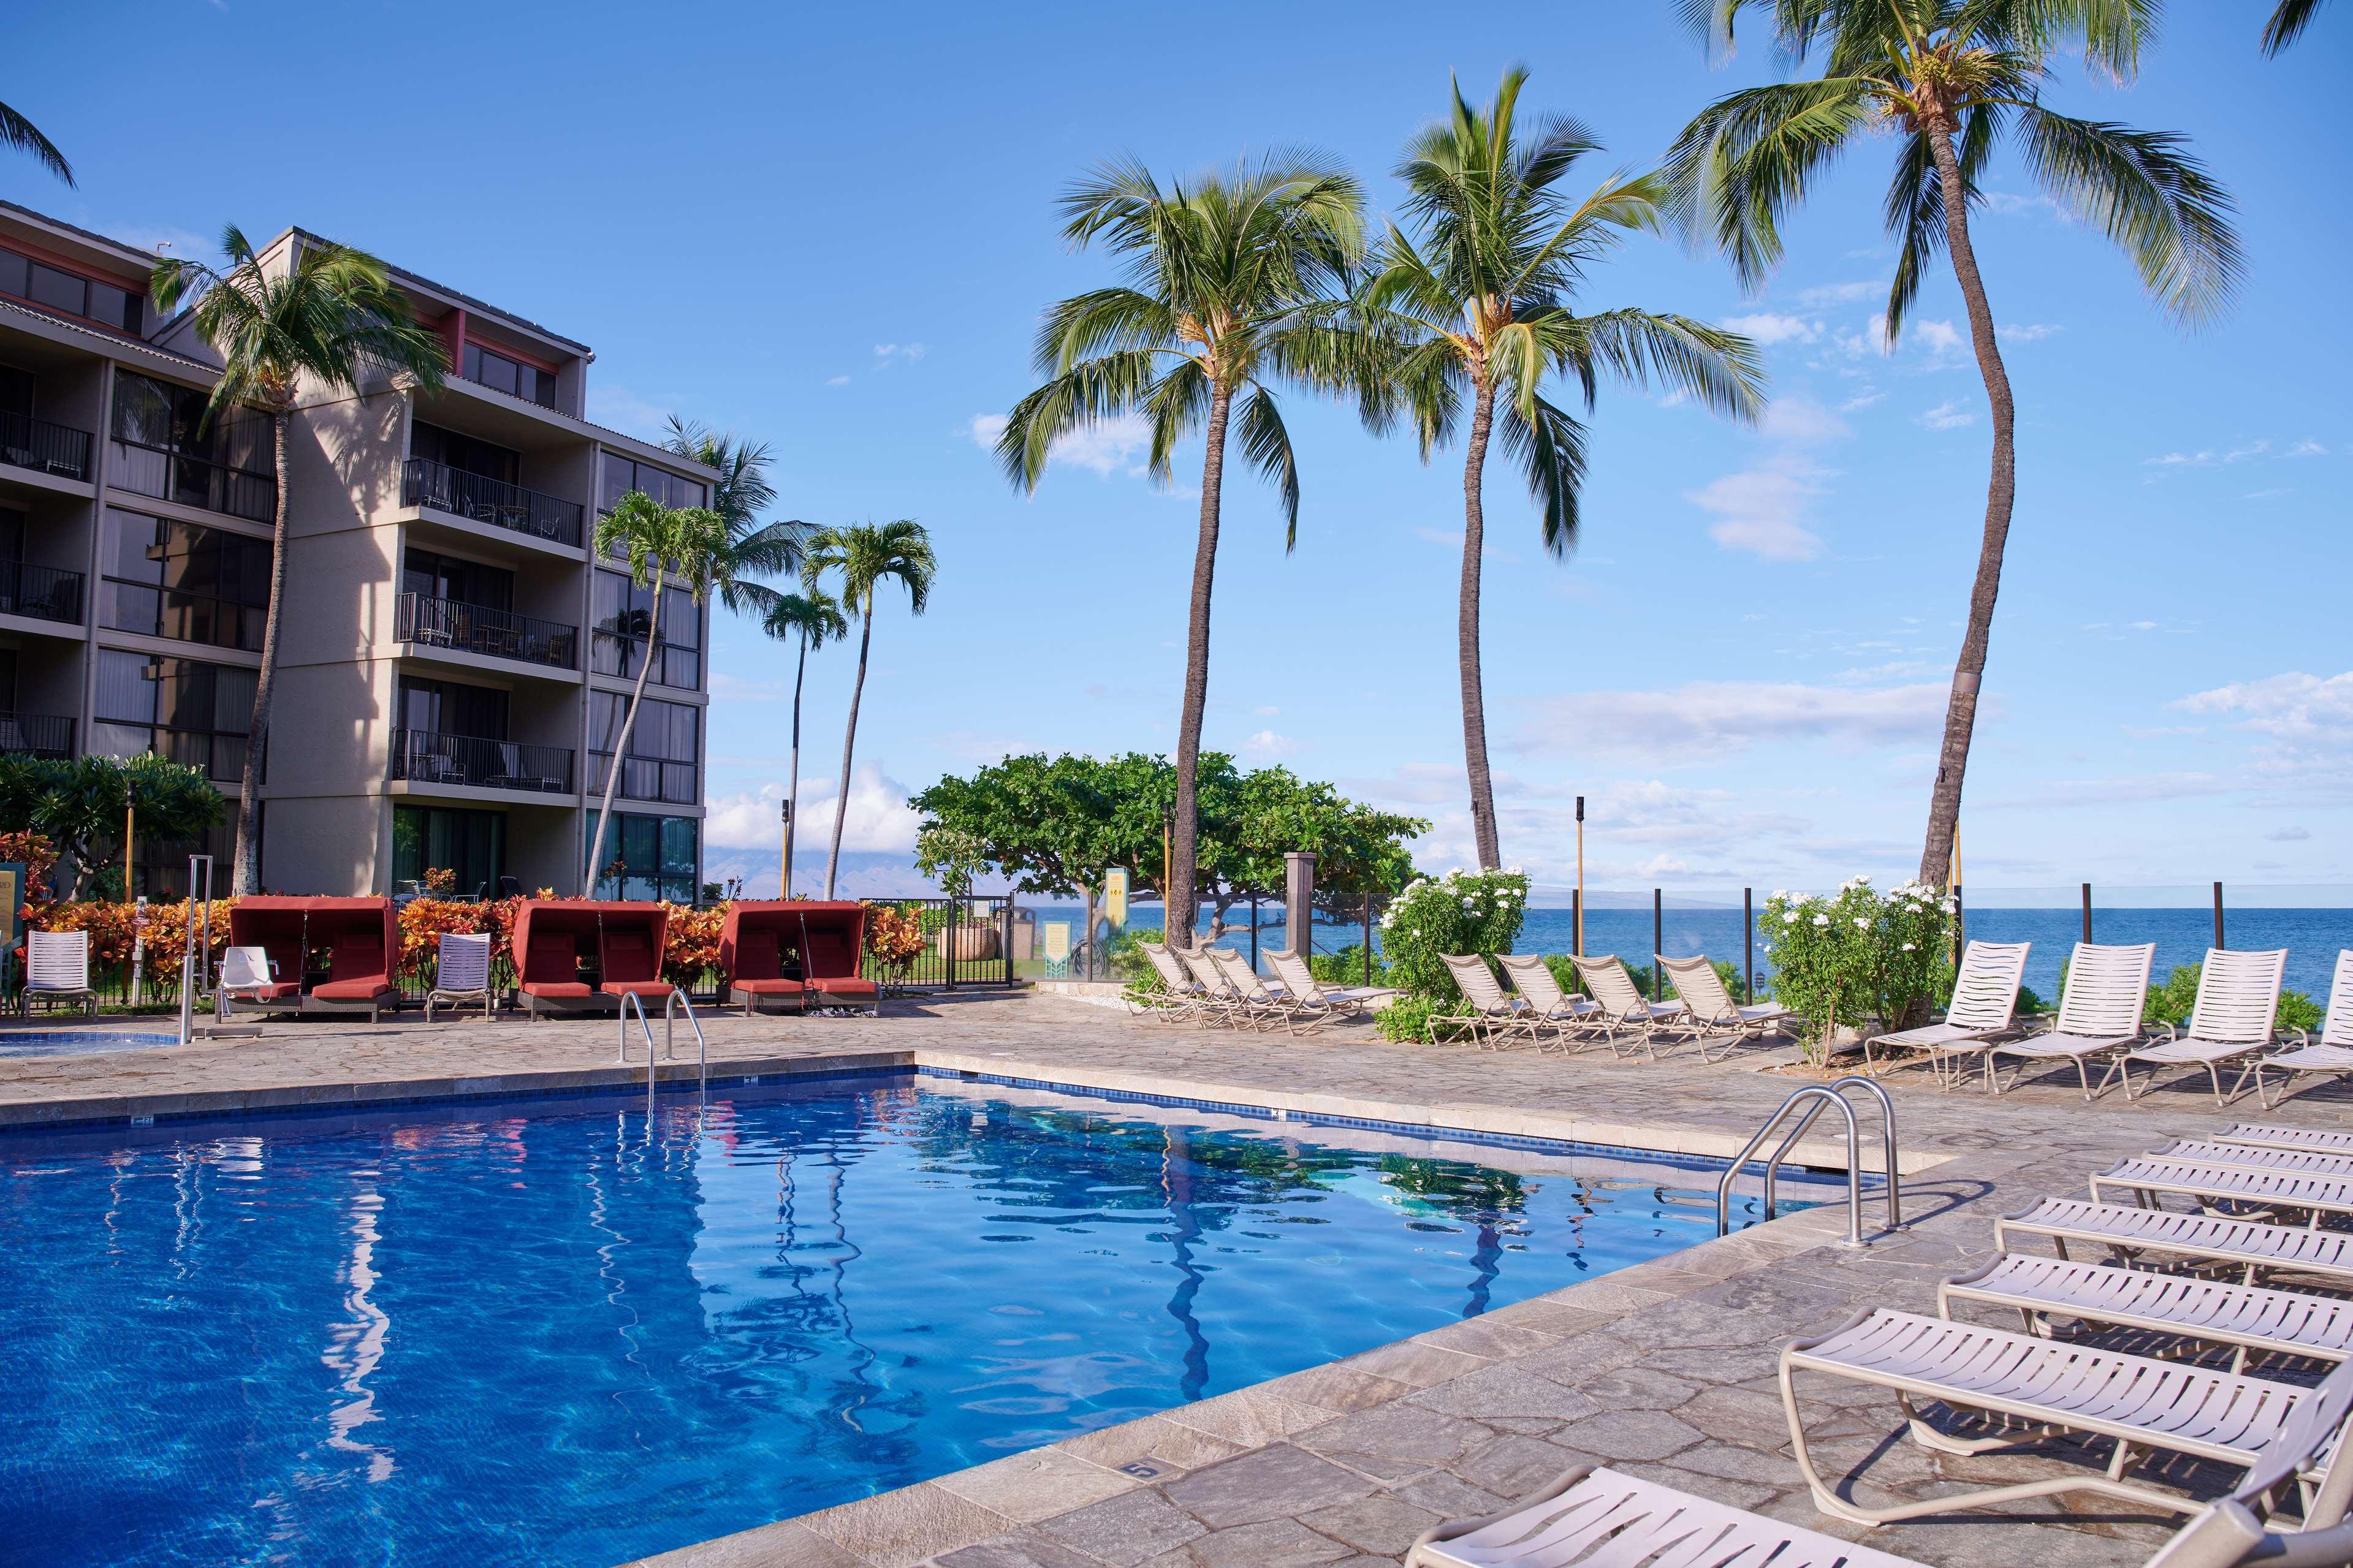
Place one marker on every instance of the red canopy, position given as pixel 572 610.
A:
pixel 752 944
pixel 551 936
pixel 361 937
pixel 833 940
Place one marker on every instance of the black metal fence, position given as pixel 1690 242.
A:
pixel 29 443
pixel 423 757
pixel 423 482
pixel 967 941
pixel 477 628
pixel 193 481
pixel 43 593
pixel 37 735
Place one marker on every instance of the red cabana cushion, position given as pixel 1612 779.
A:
pixel 845 985
pixel 366 990
pixel 552 966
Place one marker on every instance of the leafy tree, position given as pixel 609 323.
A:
pixel 22 135
pixel 1951 78
pixel 813 617
pixel 1477 305
pixel 2288 24
pixel 689 543
pixel 867 555
pixel 1050 826
pixel 80 804
pixel 740 493
pixel 1233 284
pixel 325 320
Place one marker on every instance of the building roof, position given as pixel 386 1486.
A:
pixel 112 340
pixel 130 254
pixel 468 301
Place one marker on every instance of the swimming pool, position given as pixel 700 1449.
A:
pixel 550 1333
pixel 37 1042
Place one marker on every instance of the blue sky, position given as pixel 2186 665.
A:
pixel 832 228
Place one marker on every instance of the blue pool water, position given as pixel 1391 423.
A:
pixel 550 1332
pixel 76 1042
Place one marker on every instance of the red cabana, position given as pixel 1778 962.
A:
pixel 274 924
pixel 752 947
pixel 833 940
pixel 361 937
pixel 551 936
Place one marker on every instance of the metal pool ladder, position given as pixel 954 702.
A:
pixel 669 1040
pixel 1817 1098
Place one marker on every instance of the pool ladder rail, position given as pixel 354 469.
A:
pixel 1818 1098
pixel 678 999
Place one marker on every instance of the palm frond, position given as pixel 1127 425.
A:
pixel 1723 370
pixel 1745 160
pixel 2288 24
pixel 1267 445
pixel 22 135
pixel 1089 391
pixel 2157 202
pixel 1550 449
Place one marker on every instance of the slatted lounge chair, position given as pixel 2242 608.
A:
pixel 2332 1055
pixel 1261 1006
pixel 752 942
pixel 1625 1011
pixel 2257 1249
pixel 2250 1319
pixel 1713 1012
pixel 2144 1404
pixel 2099 1016
pixel 1984 1008
pixel 57 969
pixel 2238 1002
pixel 461 973
pixel 1316 1004
pixel 1572 1019
pixel 2257 1157
pixel 2316 1138
pixel 1180 999
pixel 1220 1003
pixel 1493 1019
pixel 2151 1179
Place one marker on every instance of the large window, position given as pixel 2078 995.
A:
pixel 503 373
pixel 660 761
pixel 167 446
pixel 472 844
pixel 182 580
pixel 449 707
pixel 465 452
pixel 179 708
pixel 617 476
pixel 656 856
pixel 69 292
pixel 622 612
pixel 453 578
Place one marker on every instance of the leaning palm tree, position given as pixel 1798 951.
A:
pixel 2288 22
pixel 1479 305
pixel 1233 283
pixel 740 493
pixel 687 545
pixel 326 316
pixel 1948 79
pixel 865 555
pixel 814 618
pixel 22 135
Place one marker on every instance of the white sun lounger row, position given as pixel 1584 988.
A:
pixel 1216 985
pixel 1541 1010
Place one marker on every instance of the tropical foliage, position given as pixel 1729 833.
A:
pixel 1463 911
pixel 1858 955
pixel 740 493
pixel 810 618
pixel 1950 81
pixel 79 806
pixel 24 136
pixel 865 555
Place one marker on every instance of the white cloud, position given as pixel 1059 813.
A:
pixel 983 429
pixel 1269 712
pixel 1799 418
pixel 2027 332
pixel 618 408
pixel 2127 790
pixel 2290 707
pixel 1266 743
pixel 2308 449
pixel 1708 718
pixel 2251 449
pixel 1761 511
pixel 887 355
pixel 2266 495
pixel 1942 337
pixel 1840 293
pixel 1107 446
pixel 2179 460
pixel 1859 400
pixel 836 380
pixel 879 818
pixel 2011 204
pixel 1769 327
pixel 2289 835
pixel 1947 416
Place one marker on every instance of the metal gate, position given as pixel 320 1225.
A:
pixel 966 942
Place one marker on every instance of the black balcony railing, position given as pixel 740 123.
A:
pixel 424 758
pixel 37 735
pixel 477 628
pixel 423 482
pixel 193 481
pixel 29 443
pixel 44 593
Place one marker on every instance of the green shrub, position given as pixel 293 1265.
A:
pixel 2030 1002
pixel 1407 1017
pixel 2298 1010
pixel 1346 967
pixel 1859 954
pixel 2177 999
pixel 1463 911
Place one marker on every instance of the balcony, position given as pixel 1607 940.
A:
pixel 423 482
pixel 37 735
pixel 477 628
pixel 465 759
pixel 193 481
pixel 46 448
pixel 42 592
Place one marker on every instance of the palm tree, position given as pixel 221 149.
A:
pixel 1480 304
pixel 22 135
pixel 865 555
pixel 328 316
pixel 1232 283
pixel 1949 79
pixel 2288 22
pixel 739 495
pixel 688 543
pixel 813 617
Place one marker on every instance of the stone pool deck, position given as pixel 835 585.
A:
pixel 1666 1369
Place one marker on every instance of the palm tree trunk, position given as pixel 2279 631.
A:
pixel 848 741
pixel 621 742
pixel 1184 902
pixel 1466 633
pixel 245 861
pixel 2001 490
pixel 793 778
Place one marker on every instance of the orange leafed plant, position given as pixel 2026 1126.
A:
pixel 893 935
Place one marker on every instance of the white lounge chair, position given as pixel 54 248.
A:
pixel 2128 1232
pixel 1570 1018
pixel 1624 1009
pixel 461 973
pixel 1180 997
pixel 2257 1157
pixel 2099 1016
pixel 2316 1138
pixel 57 969
pixel 2150 1178
pixel 1220 1003
pixel 1314 1004
pixel 1713 1012
pixel 2146 1405
pixel 2238 1002
pixel 2248 1318
pixel 1983 1009
pixel 1495 1018
pixel 2332 1053
pixel 1262 1006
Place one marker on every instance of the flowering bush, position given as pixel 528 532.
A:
pixel 1463 911
pixel 691 950
pixel 894 935
pixel 1859 954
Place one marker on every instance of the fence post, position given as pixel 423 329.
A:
pixel 2217 917
pixel 1576 920
pixel 1658 940
pixel 1299 900
pixel 948 935
pixel 1368 933
pixel 2087 913
pixel 1748 939
pixel 1253 934
pixel 1004 918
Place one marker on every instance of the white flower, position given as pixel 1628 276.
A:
pixel 1863 881
pixel 1768 947
pixel 1861 924
pixel 1822 920
pixel 1790 919
pixel 1908 947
